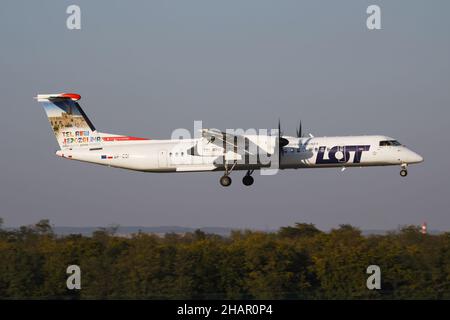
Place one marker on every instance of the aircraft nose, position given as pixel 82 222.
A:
pixel 414 157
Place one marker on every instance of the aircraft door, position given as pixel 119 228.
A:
pixel 162 158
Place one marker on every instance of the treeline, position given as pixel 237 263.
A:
pixel 299 262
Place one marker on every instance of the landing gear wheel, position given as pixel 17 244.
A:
pixel 403 173
pixel 225 181
pixel 248 180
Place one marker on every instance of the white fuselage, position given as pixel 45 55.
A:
pixel 304 152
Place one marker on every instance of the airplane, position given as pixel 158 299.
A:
pixel 215 150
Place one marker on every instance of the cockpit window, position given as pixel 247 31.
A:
pixel 389 143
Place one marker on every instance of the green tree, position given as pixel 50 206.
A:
pixel 298 262
pixel 299 230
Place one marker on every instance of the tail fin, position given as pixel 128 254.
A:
pixel 70 124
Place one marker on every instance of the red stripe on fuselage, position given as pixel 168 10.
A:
pixel 110 139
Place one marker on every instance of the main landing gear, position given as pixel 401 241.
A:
pixel 404 171
pixel 248 179
pixel 225 180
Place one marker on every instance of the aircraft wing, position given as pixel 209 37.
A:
pixel 229 141
pixel 218 137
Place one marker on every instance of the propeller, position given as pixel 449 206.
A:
pixel 299 130
pixel 281 141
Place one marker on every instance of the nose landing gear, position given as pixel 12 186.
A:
pixel 404 171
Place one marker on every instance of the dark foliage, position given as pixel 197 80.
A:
pixel 299 262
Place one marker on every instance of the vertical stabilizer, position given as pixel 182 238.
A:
pixel 69 123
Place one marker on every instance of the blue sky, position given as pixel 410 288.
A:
pixel 144 68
